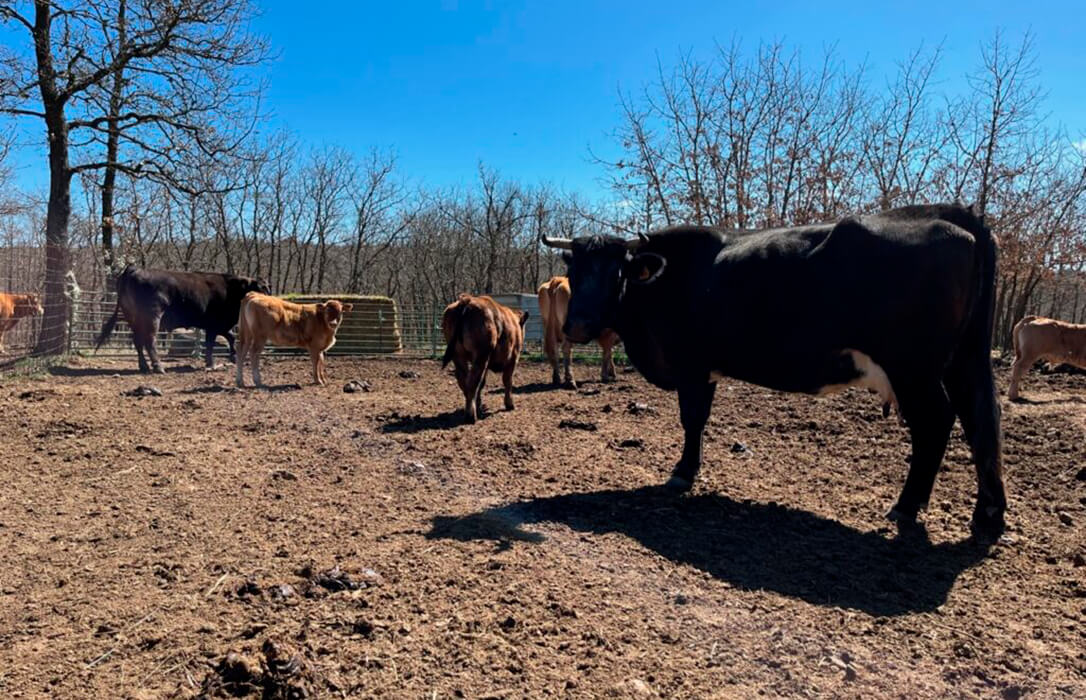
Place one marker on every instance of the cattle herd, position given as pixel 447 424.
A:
pixel 899 302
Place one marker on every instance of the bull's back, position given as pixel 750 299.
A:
pixel 278 321
pixel 1038 337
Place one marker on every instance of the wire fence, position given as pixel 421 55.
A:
pixel 404 330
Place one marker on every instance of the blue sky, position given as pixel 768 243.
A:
pixel 528 87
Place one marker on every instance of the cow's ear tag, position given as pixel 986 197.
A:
pixel 645 268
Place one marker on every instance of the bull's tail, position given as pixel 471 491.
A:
pixel 111 322
pixel 982 324
pixel 1018 329
pixel 107 327
pixel 455 336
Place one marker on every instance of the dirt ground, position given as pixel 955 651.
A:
pixel 304 541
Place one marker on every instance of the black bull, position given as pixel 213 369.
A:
pixel 901 302
pixel 153 300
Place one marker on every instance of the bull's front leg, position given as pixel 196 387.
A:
pixel 928 413
pixel 209 347
pixel 695 403
pixel 230 344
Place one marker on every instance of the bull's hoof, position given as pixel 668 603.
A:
pixel 678 484
pixel 902 516
pixel 509 406
pixel 570 384
pixel 988 523
pixel 159 370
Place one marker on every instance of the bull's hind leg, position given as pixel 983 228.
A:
pixel 239 363
pixel 567 359
pixel 973 394
pixel 607 367
pixel 230 344
pixel 152 351
pixel 695 403
pixel 480 389
pixel 1022 365
pixel 927 411
pixel 507 382
pixel 255 348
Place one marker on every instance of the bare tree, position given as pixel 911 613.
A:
pixel 80 57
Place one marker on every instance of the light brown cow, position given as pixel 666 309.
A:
pixel 1038 338
pixel 553 305
pixel 482 334
pixel 12 308
pixel 266 318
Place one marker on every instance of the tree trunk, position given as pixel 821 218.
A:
pixel 53 338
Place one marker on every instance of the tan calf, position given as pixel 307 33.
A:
pixel 482 334
pixel 12 308
pixel 265 319
pixel 553 306
pixel 1038 338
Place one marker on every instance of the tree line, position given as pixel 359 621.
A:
pixel 151 110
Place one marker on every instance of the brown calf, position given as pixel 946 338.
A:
pixel 12 308
pixel 266 318
pixel 553 305
pixel 482 334
pixel 1038 338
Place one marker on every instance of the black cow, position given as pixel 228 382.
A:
pixel 900 302
pixel 165 299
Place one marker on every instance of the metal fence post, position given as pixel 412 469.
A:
pixel 433 330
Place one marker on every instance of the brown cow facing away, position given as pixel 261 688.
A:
pixel 1038 338
pixel 553 305
pixel 264 319
pixel 482 335
pixel 12 308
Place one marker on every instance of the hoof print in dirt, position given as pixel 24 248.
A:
pixel 739 448
pixel 36 395
pixel 336 579
pixel 143 390
pixel 631 444
pixel 636 408
pixel 409 374
pixel 570 424
pixel 356 385
pixel 280 672
pixel 589 391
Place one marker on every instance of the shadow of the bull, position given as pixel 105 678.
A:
pixel 750 545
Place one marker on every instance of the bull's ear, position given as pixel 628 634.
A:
pixel 644 268
pixel 347 307
pixel 523 318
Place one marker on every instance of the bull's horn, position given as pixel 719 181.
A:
pixel 635 243
pixel 564 243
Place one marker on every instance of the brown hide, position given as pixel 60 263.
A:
pixel 482 335
pixel 265 319
pixel 13 307
pixel 553 305
pixel 1038 338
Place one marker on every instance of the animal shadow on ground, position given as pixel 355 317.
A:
pixel 418 424
pixel 533 388
pixel 222 389
pixel 1043 402
pixel 750 545
pixel 62 371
